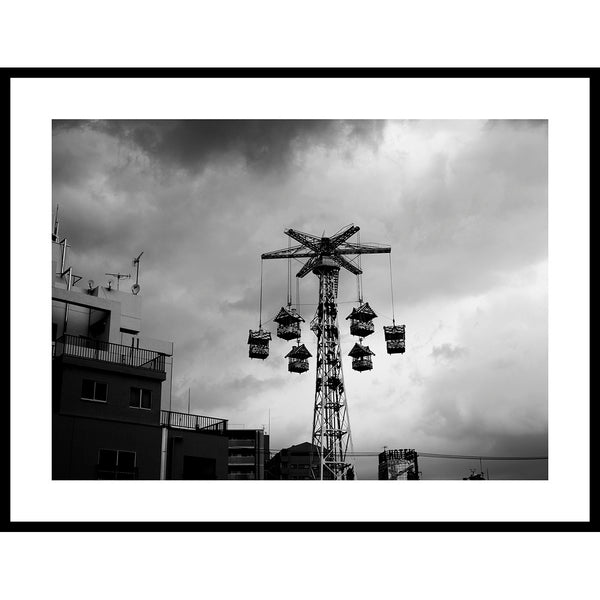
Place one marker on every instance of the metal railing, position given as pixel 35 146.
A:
pixel 242 443
pixel 195 422
pixel 242 460
pixel 88 348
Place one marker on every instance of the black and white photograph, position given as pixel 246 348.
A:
pixel 299 299
pixel 285 281
pixel 340 301
pixel 296 312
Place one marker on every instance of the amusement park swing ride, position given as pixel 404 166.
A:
pixel 325 256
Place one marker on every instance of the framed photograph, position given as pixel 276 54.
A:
pixel 301 299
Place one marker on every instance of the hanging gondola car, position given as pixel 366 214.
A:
pixel 394 338
pixel 288 324
pixel 259 343
pixel 361 320
pixel 298 356
pixel 361 357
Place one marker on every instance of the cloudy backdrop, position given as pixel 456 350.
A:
pixel 463 205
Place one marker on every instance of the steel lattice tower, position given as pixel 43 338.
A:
pixel 331 427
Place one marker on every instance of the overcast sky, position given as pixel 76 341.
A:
pixel 463 205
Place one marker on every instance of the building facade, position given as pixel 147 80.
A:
pixel 194 446
pixel 293 462
pixel 248 453
pixel 399 464
pixel 109 389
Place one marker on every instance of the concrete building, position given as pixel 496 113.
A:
pixel 196 447
pixel 399 464
pixel 248 453
pixel 293 462
pixel 110 388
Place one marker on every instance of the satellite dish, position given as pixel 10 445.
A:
pixel 90 284
pixel 135 289
pixel 110 282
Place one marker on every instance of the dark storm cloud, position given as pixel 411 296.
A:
pixel 265 145
pixel 517 123
pixel 509 444
pixel 477 407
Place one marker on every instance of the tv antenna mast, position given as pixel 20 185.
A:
pixel 326 255
pixel 119 276
pixel 55 237
pixel 135 288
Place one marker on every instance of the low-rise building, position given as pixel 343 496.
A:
pixel 399 464
pixel 248 453
pixel 196 447
pixel 293 462
pixel 110 388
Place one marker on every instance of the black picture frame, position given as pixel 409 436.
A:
pixel 590 74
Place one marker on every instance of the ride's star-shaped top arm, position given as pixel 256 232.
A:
pixel 298 251
pixel 314 247
pixel 343 235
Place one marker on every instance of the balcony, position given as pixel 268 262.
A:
pixel 242 460
pixel 242 443
pixel 126 356
pixel 201 423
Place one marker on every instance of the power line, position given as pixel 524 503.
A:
pixel 431 455
pixel 448 456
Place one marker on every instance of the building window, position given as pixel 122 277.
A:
pixel 54 334
pixel 140 398
pixel 116 464
pixel 94 390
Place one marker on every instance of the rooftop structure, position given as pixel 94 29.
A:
pixel 401 464
pixel 109 383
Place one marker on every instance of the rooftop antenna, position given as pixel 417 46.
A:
pixel 55 230
pixel 135 288
pixel 63 258
pixel 119 276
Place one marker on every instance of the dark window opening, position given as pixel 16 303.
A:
pixel 140 398
pixel 94 390
pixel 116 464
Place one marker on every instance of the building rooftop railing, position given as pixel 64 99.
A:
pixel 89 348
pixel 179 420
